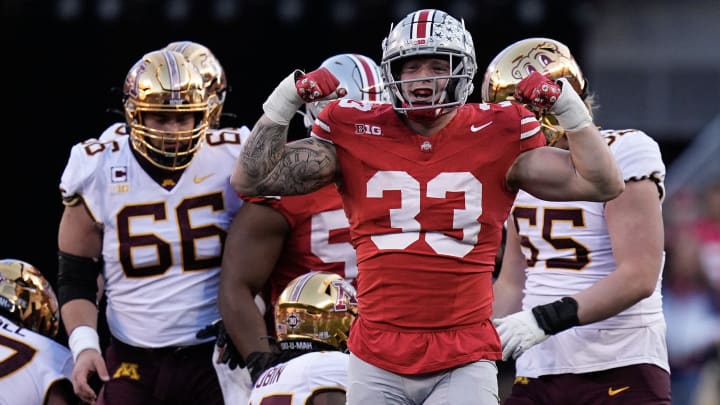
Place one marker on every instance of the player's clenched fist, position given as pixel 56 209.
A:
pixel 539 92
pixel 542 94
pixel 299 88
pixel 318 84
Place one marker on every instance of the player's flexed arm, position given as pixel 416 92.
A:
pixel 587 172
pixel 268 165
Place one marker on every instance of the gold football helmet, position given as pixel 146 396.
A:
pixel 547 56
pixel 316 306
pixel 213 74
pixel 27 298
pixel 165 81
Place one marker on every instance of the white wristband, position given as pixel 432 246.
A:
pixel 571 112
pixel 83 338
pixel 284 101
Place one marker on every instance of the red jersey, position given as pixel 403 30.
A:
pixel 319 237
pixel 426 217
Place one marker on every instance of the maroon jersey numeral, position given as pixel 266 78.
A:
pixel 188 235
pixel 551 216
pixel 22 355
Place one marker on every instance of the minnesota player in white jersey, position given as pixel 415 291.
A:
pixel 588 274
pixel 216 85
pixel 34 368
pixel 312 316
pixel 149 212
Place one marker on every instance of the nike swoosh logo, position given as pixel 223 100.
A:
pixel 200 179
pixel 473 128
pixel 612 392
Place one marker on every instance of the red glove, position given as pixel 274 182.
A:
pixel 537 91
pixel 318 84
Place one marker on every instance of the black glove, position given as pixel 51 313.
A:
pixel 257 362
pixel 228 353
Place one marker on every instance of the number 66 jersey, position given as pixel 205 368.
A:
pixel 162 238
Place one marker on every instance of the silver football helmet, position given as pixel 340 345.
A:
pixel 358 74
pixel 514 63
pixel 160 82
pixel 433 33
pixel 216 85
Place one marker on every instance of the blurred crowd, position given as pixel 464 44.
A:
pixel 691 293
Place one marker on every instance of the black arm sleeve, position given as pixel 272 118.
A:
pixel 77 278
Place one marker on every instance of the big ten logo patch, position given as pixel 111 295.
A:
pixel 368 129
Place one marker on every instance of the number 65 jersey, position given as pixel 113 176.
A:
pixel 162 244
pixel 318 237
pixel 568 249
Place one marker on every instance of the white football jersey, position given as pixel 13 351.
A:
pixel 113 131
pixel 569 248
pixel 161 248
pixel 293 382
pixel 29 364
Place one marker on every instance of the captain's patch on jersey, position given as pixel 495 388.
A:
pixel 118 174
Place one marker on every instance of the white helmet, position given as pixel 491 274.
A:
pixel 435 33
pixel 358 74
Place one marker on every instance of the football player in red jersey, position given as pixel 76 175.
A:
pixel 427 183
pixel 275 239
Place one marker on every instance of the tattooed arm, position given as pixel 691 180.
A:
pixel 268 165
